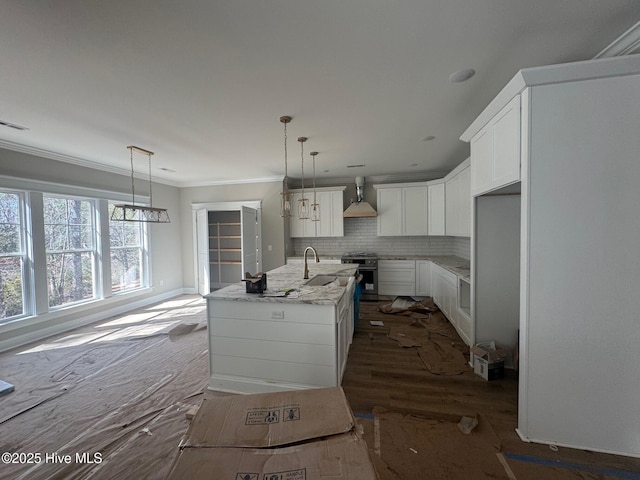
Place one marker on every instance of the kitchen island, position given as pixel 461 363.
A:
pixel 260 343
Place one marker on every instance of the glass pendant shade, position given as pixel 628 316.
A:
pixel 304 208
pixel 285 203
pixel 315 211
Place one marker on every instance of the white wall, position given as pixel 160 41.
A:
pixel 272 224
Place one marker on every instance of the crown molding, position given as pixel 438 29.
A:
pixel 229 182
pixel 59 157
pixel 625 44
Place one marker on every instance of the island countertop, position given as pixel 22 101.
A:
pixel 290 277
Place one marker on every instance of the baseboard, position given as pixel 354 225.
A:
pixel 232 384
pixel 527 439
pixel 62 326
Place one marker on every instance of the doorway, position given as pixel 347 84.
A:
pixel 227 243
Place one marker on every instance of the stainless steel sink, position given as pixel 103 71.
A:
pixel 320 280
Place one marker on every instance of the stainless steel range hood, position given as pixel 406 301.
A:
pixel 359 208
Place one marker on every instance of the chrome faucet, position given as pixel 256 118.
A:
pixel 306 267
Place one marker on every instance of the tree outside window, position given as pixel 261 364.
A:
pixel 70 246
pixel 12 255
pixel 126 240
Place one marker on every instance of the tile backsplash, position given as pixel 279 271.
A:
pixel 360 236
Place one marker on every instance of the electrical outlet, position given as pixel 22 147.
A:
pixel 277 315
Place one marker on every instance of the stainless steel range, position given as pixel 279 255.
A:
pixel 368 268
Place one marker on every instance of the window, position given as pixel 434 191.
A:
pixel 12 255
pixel 69 234
pixel 126 241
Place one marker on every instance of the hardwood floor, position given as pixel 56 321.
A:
pixel 401 404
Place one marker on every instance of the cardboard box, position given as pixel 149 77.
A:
pixel 487 360
pixel 293 435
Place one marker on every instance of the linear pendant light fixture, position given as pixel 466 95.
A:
pixel 138 213
pixel 303 202
pixel 315 206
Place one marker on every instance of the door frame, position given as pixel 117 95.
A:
pixel 221 207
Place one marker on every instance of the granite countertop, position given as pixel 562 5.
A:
pixel 290 277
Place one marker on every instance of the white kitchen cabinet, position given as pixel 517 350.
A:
pixel 445 292
pixel 402 209
pixel 458 201
pixel 423 278
pixel 436 208
pixel 452 294
pixel 331 223
pixel 567 282
pixel 414 206
pixel 389 211
pixel 397 277
pixel 297 227
pixel 495 151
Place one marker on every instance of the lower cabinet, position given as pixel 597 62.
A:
pixel 423 278
pixel 397 277
pixel 445 293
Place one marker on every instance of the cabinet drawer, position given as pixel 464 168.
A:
pixel 392 288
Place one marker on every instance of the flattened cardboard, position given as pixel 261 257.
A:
pixel 270 419
pixel 340 457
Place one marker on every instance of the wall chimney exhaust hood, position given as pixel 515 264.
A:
pixel 359 208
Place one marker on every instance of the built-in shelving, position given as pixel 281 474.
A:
pixel 225 248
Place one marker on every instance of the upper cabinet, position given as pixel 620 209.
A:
pixel 402 209
pixel 495 151
pixel 331 223
pixel 436 204
pixel 458 201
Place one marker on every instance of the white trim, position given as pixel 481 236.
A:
pixel 625 44
pixel 229 182
pixel 219 207
pixel 83 320
pixel 524 438
pixel 39 152
pixel 227 206
pixel 466 163
pixel 320 189
pixel 65 189
pixel 567 72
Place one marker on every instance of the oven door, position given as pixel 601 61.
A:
pixel 369 283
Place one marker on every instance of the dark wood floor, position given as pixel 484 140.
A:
pixel 401 405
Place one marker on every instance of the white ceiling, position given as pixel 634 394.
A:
pixel 203 83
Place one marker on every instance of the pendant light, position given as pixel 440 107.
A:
pixel 139 213
pixel 303 202
pixel 315 206
pixel 285 196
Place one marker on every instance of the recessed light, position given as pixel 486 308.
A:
pixel 356 166
pixel 165 169
pixel 413 165
pixel 428 138
pixel 326 171
pixel 462 75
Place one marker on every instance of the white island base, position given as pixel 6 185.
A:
pixel 272 344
